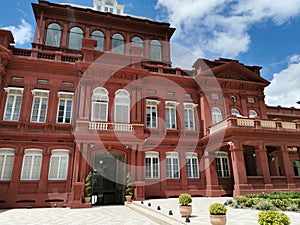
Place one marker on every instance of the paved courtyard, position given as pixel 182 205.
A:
pixel 119 215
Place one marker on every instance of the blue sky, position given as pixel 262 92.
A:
pixel 257 32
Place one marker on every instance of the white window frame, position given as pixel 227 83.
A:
pixel 235 112
pixel 253 114
pixel 34 154
pixel 122 98
pixel 42 95
pixel 15 92
pixel 172 165
pixel 192 165
pixel 190 122
pixel 223 161
pixel 216 114
pixel 65 96
pixel 153 171
pixel 6 168
pixel 100 98
pixel 151 104
pixel 56 170
pixel 170 107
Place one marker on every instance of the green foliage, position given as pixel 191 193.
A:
pixel 88 185
pixel 280 203
pixel 129 187
pixel 276 200
pixel 185 199
pixel 273 218
pixel 293 207
pixel 217 209
pixel 264 204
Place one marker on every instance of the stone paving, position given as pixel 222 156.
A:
pixel 104 215
pixel 122 215
pixel 200 214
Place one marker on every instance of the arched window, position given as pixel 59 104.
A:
pixel 138 42
pixel 122 106
pixel 117 44
pixel 53 35
pixel 235 112
pixel 216 115
pixel 58 169
pixel 100 104
pixel 99 37
pixel 155 50
pixel 75 38
pixel 252 114
pixel 7 157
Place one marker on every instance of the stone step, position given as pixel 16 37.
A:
pixel 154 215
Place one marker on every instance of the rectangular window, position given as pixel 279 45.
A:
pixel 39 106
pixel 296 166
pixel 189 119
pixel 32 163
pixel 151 113
pixel 152 166
pixel 192 168
pixel 171 115
pixel 7 157
pixel 251 100
pixel 58 169
pixel 13 103
pixel 223 166
pixel 215 96
pixel 65 104
pixel 172 166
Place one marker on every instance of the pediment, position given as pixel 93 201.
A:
pixel 236 71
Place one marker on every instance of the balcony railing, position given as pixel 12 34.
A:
pixel 255 124
pixel 113 126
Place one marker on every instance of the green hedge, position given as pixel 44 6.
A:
pixel 289 201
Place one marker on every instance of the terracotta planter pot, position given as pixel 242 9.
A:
pixel 218 219
pixel 128 198
pixel 87 199
pixel 185 210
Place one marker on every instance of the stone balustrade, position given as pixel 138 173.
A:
pixel 255 124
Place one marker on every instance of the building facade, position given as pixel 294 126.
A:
pixel 97 92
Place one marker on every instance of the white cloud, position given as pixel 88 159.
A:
pixel 284 88
pixel 22 33
pixel 220 28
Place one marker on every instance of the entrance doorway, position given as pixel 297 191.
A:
pixel 108 178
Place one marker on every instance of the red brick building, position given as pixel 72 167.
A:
pixel 96 92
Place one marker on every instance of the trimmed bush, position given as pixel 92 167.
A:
pixel 264 204
pixel 273 218
pixel 217 209
pixel 185 199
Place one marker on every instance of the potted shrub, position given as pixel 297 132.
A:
pixel 128 188
pixel 88 188
pixel 217 213
pixel 272 217
pixel 184 201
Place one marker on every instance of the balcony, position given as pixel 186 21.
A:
pixel 232 122
pixel 115 126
